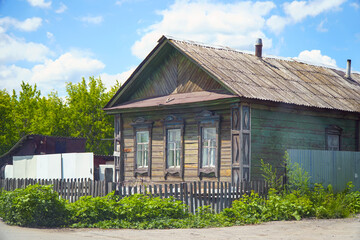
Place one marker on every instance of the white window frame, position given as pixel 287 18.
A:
pixel 176 148
pixel 143 163
pixel 141 125
pixel 207 119
pixel 172 123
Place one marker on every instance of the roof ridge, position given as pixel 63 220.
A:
pixel 226 48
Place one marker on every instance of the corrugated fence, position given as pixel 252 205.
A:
pixel 329 167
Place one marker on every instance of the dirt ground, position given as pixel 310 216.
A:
pixel 343 229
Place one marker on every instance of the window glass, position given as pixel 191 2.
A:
pixel 333 142
pixel 173 147
pixel 142 148
pixel 208 146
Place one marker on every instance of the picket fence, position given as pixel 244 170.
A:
pixel 217 195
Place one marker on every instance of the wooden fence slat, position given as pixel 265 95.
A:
pixel 171 190
pixel 191 205
pixel 195 196
pixel 160 191
pixel 176 191
pixel 200 195
pixel 182 193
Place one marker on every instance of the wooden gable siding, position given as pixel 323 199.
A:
pixel 190 144
pixel 176 74
pixel 276 129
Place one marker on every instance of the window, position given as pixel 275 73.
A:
pixel 208 147
pixel 208 124
pixel 173 146
pixel 142 149
pixel 142 146
pixel 333 137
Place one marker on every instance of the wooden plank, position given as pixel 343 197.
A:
pixel 171 190
pixel 177 191
pixel 182 193
pixel 191 202
pixel 205 194
pixel 196 196
pixel 201 204
pixel 155 191
pixel 160 191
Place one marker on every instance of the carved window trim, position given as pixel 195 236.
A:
pixel 333 130
pixel 173 122
pixel 207 119
pixel 241 142
pixel 139 125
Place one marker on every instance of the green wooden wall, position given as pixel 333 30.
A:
pixel 275 129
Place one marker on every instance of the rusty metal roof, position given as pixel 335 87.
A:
pixel 275 79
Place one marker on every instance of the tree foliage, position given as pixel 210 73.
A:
pixel 79 114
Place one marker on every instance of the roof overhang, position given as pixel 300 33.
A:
pixel 174 100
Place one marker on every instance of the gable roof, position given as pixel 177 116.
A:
pixel 266 78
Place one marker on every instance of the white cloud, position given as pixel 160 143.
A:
pixel 39 3
pixel 315 56
pixel 355 5
pixel 298 10
pixel 52 74
pixel 321 27
pixel 14 49
pixel 62 8
pixel 92 20
pixel 12 76
pixel 120 2
pixel 109 80
pixel 236 25
pixel 68 67
pixel 49 35
pixel 277 23
pixel 28 25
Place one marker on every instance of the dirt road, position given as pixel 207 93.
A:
pixel 305 229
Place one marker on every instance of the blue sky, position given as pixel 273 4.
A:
pixel 53 42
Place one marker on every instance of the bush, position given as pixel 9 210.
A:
pixel 271 176
pixel 89 210
pixel 247 210
pixel 34 206
pixel 139 207
pixel 135 211
pixel 297 178
pixel 290 206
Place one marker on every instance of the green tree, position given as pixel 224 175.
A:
pixel 87 119
pixel 7 127
pixel 51 116
pixel 79 115
pixel 25 107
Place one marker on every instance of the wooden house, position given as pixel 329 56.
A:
pixel 193 112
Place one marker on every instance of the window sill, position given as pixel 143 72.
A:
pixel 173 171
pixel 208 171
pixel 142 171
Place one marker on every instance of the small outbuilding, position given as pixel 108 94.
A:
pixel 35 144
pixel 193 112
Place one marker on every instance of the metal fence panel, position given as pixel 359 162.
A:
pixel 329 167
